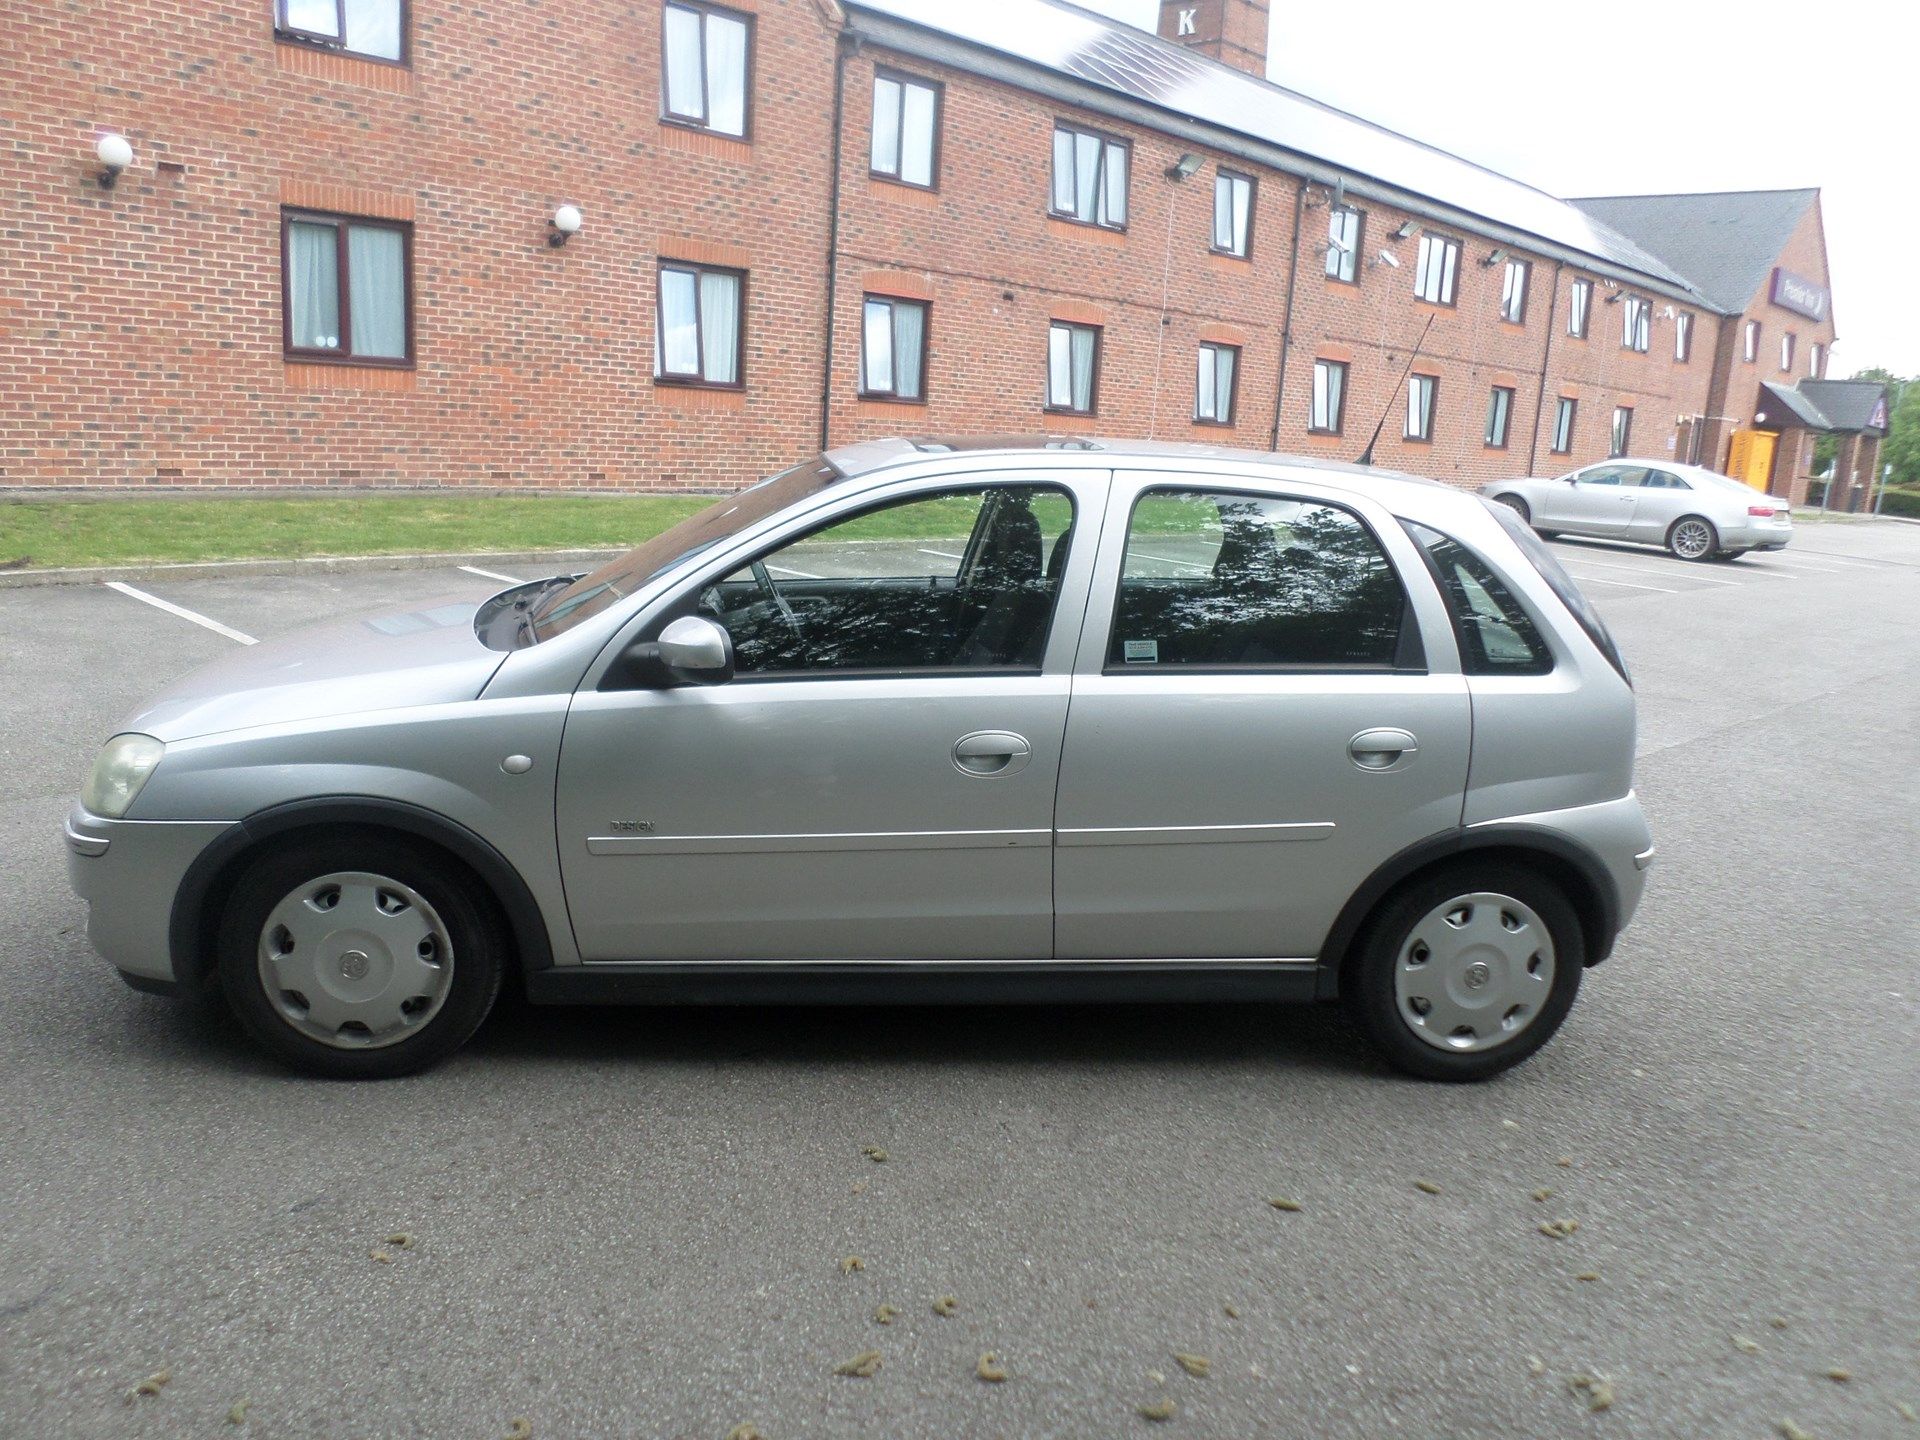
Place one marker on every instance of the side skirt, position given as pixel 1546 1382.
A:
pixel 910 983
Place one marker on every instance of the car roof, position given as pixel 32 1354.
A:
pixel 1010 451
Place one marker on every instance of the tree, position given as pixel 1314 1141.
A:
pixel 1901 448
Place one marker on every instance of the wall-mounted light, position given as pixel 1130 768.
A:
pixel 1613 299
pixel 1669 313
pixel 564 225
pixel 1759 417
pixel 115 154
pixel 1386 257
pixel 1405 231
pixel 1495 258
pixel 1186 165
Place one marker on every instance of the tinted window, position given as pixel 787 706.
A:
pixel 1217 579
pixel 1497 636
pixel 958 579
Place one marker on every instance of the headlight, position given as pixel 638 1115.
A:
pixel 123 767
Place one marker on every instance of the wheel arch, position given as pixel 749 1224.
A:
pixel 203 891
pixel 1578 872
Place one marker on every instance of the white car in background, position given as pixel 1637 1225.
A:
pixel 1696 514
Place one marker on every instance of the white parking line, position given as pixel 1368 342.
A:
pixel 1628 584
pixel 943 554
pixel 1170 560
pixel 797 574
pixel 491 574
pixel 181 611
pixel 1648 570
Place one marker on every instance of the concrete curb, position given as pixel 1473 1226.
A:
pixel 506 561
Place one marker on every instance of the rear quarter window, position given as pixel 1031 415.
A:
pixel 1497 636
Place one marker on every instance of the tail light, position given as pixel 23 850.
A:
pixel 1765 511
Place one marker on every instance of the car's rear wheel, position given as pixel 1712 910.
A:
pixel 1517 505
pixel 359 956
pixel 1692 537
pixel 1467 971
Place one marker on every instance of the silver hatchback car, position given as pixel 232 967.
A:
pixel 922 721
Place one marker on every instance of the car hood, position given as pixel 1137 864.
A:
pixel 383 661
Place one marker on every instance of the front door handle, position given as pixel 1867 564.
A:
pixel 991 752
pixel 1382 750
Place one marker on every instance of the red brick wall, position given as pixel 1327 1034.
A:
pixel 1738 395
pixel 140 327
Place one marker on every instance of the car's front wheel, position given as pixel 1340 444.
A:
pixel 359 956
pixel 1692 538
pixel 1466 972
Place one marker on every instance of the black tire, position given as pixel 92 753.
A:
pixel 1517 505
pixel 1367 985
pixel 1548 534
pixel 1724 556
pixel 1684 541
pixel 464 906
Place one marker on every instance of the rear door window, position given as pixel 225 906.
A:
pixel 1219 580
pixel 1496 635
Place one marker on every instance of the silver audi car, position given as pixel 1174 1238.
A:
pixel 1696 514
pixel 922 721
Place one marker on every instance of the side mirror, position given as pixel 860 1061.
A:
pixel 695 649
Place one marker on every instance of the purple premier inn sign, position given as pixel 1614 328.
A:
pixel 1799 294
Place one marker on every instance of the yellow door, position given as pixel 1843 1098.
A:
pixel 1750 457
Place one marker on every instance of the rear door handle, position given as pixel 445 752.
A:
pixel 1381 750
pixel 991 752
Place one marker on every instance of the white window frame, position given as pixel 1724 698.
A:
pixel 1345 226
pixel 1579 308
pixel 1683 337
pixel 1423 393
pixel 1436 272
pixel 1327 411
pixel 1513 292
pixel 1750 341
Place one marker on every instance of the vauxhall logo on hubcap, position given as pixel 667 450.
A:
pixel 1477 975
pixel 353 965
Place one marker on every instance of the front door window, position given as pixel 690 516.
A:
pixel 956 580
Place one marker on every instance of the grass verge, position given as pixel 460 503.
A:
pixel 42 534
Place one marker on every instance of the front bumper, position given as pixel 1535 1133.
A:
pixel 128 872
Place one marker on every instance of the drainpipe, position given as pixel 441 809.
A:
pixel 1546 361
pixel 846 45
pixel 1286 321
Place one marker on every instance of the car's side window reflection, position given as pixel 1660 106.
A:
pixel 1497 636
pixel 958 579
pixel 1224 580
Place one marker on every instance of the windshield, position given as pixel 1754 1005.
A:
pixel 720 521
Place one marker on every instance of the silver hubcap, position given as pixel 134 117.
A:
pixel 355 960
pixel 1692 539
pixel 1474 972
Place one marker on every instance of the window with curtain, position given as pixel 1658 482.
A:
pixel 1439 264
pixel 1073 367
pixel 893 348
pixel 1751 341
pixel 1343 244
pixel 699 329
pixel 906 127
pixel 1563 425
pixel 1232 213
pixel 1622 430
pixel 1090 177
pixel 345 288
pixel 1579 307
pixel 1513 292
pixel 373 28
pixel 1329 409
pixel 1816 353
pixel 704 60
pixel 1683 337
pixel 1421 392
pixel 1499 414
pixel 1636 323
pixel 1786 351
pixel 1216 374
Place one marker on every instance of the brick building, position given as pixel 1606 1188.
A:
pixel 672 244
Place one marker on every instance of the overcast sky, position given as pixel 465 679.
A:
pixel 1647 97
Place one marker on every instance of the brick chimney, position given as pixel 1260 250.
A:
pixel 1232 31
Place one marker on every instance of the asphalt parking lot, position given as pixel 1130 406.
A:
pixel 633 1223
